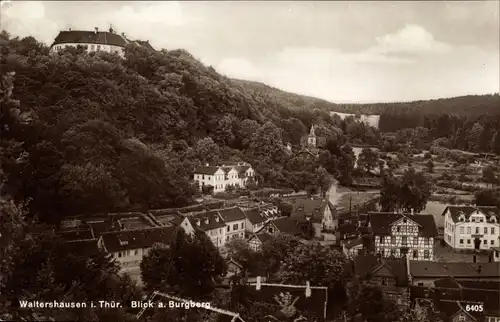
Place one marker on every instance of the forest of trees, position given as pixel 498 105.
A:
pixel 97 133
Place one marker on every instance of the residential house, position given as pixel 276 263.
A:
pixel 283 225
pixel 390 274
pixel 455 302
pixel 94 41
pixel 425 273
pixel 306 300
pixel 233 267
pixel 235 221
pixel 399 234
pixel 257 240
pixel 315 212
pixel 129 246
pixel 472 227
pixel 210 222
pixel 254 220
pixel 352 248
pixel 221 176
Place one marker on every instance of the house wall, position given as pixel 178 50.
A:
pixel 429 281
pixel 235 229
pixel 91 47
pixel 461 235
pixel 352 252
pixel 220 180
pixel 130 258
pixel 253 228
pixel 255 244
pixel 217 236
pixel 327 220
pixel 405 235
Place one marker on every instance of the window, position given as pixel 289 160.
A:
pixel 393 252
pixel 426 241
pixel 492 242
pixel 381 239
pixel 485 242
pixel 136 252
pixel 404 241
pixel 228 228
pixel 468 241
pixel 426 254
pixel 420 284
pixel 393 240
pixel 404 220
pixel 242 225
pixel 227 238
pixel 398 229
pixel 92 47
pixel 119 254
pixel 468 230
pixel 461 241
pixel 220 231
pixel 477 230
pixel 98 47
pixel 486 230
pixel 235 226
pixel 384 281
pixel 415 254
pixel 415 241
pixel 492 230
pixel 481 219
pixel 462 230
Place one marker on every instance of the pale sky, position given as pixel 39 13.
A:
pixel 339 51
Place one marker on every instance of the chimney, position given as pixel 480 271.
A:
pixel 96 30
pixel 257 285
pixel 412 212
pixel 308 289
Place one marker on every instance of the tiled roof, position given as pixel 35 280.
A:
pixel 92 37
pixel 355 242
pixel 456 211
pixel 232 214
pixel 253 215
pixel 450 282
pixel 207 220
pixel 262 237
pixel 207 170
pixel 83 247
pixel 367 265
pixel 242 168
pixel 381 223
pixel 315 208
pixel 287 225
pixel 135 239
pixel 145 44
pixel 457 270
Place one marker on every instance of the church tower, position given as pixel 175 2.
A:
pixel 311 140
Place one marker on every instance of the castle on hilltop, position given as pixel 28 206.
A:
pixel 108 41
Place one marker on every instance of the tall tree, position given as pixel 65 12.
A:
pixel 411 191
pixel 368 159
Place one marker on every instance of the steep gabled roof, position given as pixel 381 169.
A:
pixel 381 223
pixel 232 214
pixel 253 215
pixel 262 237
pixel 313 208
pixel 286 225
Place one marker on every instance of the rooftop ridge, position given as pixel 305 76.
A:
pixel 136 229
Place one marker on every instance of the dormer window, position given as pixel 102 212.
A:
pixel 493 219
pixel 461 218
pixel 404 220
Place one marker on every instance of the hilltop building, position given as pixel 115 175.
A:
pixel 471 227
pixel 235 174
pixel 312 140
pixel 93 41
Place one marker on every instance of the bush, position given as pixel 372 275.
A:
pixel 428 155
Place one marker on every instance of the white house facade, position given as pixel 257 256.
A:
pixel 235 221
pixel 396 235
pixel 221 176
pixel 465 224
pixel 209 222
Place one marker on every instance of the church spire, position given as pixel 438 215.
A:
pixel 311 133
